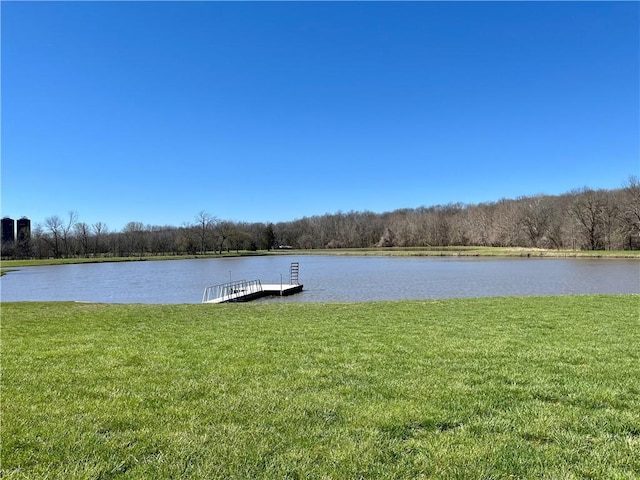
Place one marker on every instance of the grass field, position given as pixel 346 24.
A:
pixel 532 387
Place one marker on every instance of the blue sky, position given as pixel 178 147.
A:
pixel 270 111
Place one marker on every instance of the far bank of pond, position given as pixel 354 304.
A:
pixel 493 252
pixel 326 278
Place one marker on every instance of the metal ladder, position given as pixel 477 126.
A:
pixel 294 272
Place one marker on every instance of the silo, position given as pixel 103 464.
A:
pixel 8 230
pixel 24 229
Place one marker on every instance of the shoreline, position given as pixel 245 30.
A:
pixel 7 266
pixel 496 252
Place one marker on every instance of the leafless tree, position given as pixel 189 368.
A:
pixel 189 239
pixel 53 225
pixel 239 239
pixel 162 239
pixel 630 214
pixel 222 231
pixel 586 218
pixel 66 232
pixel 588 210
pixel 535 219
pixel 99 230
pixel 135 238
pixel 205 223
pixel 82 232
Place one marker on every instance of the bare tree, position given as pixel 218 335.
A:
pixel 162 239
pixel 205 223
pixel 535 213
pixel 40 242
pixel 53 225
pixel 239 239
pixel 135 238
pixel 609 219
pixel 82 233
pixel 586 218
pixel 479 224
pixel 66 231
pixel 588 211
pixel 506 230
pixel 442 224
pixel 99 229
pixel 189 239
pixel 630 214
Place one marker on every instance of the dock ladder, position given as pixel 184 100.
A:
pixel 294 273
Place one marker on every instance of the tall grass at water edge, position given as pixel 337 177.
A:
pixel 532 387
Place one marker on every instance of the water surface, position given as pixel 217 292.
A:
pixel 325 278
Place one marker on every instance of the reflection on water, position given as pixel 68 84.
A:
pixel 325 278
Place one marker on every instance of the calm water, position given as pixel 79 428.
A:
pixel 325 278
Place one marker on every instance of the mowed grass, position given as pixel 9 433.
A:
pixel 532 387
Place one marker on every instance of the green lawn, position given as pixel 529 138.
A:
pixel 532 387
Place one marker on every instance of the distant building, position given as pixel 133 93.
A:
pixel 24 229
pixel 8 230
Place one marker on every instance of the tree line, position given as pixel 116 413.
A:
pixel 583 219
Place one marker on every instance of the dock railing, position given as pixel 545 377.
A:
pixel 227 292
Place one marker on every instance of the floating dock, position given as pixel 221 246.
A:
pixel 245 291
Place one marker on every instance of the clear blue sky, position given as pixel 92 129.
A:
pixel 271 111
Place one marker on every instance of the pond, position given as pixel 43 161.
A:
pixel 325 278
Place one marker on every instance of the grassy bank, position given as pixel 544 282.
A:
pixel 74 260
pixel 478 388
pixel 8 265
pixel 472 252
